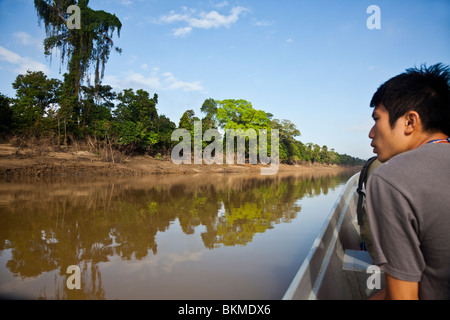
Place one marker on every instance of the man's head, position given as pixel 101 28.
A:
pixel 409 108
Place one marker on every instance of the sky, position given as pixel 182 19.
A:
pixel 315 63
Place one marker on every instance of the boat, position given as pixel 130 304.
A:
pixel 336 268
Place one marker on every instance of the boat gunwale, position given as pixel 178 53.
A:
pixel 305 269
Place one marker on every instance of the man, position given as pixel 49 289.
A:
pixel 408 197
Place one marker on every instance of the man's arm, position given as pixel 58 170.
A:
pixel 395 239
pixel 401 290
pixel 397 290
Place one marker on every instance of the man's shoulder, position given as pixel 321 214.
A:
pixel 422 160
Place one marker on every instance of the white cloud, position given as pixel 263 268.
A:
pixel 165 262
pixel 23 64
pixel 132 59
pixel 27 40
pixel 222 4
pixel 9 56
pixel 171 83
pixel 139 80
pixel 263 23
pixel 153 82
pixel 175 17
pixel 202 20
pixel 214 19
pixel 182 32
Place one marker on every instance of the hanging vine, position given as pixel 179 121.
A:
pixel 83 48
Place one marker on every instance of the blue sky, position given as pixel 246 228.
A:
pixel 315 63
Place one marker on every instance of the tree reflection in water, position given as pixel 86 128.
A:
pixel 47 226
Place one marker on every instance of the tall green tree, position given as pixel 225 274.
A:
pixel 164 128
pixel 136 119
pixel 6 116
pixel 240 114
pixel 88 46
pixel 209 108
pixel 97 102
pixel 136 107
pixel 289 148
pixel 187 121
pixel 36 98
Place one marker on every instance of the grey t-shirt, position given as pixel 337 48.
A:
pixel 408 203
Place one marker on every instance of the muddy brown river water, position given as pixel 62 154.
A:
pixel 160 237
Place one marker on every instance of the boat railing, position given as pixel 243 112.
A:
pixel 334 267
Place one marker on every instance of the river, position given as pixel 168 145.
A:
pixel 222 237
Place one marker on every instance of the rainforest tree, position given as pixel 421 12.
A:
pixel 83 48
pixel 5 116
pixel 34 107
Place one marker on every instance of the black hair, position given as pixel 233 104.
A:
pixel 425 90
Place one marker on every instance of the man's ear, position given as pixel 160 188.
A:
pixel 412 122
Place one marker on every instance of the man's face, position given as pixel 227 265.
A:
pixel 387 142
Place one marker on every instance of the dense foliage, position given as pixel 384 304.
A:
pixel 129 120
pixel 69 110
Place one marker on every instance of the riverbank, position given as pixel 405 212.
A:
pixel 18 162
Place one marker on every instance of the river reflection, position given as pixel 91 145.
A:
pixel 161 237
